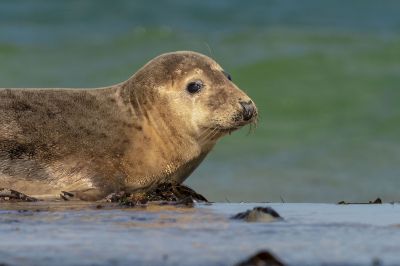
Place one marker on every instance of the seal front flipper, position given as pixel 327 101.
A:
pixel 91 194
pixel 13 195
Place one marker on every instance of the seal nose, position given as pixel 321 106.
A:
pixel 248 110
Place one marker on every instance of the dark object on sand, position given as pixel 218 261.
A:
pixel 14 196
pixel 377 201
pixel 164 194
pixel 170 192
pixel 66 195
pixel 262 258
pixel 258 214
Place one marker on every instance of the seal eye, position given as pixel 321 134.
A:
pixel 194 87
pixel 227 75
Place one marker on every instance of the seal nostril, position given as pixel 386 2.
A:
pixel 248 110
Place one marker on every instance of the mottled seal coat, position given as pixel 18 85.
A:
pixel 155 127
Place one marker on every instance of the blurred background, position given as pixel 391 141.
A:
pixel 324 74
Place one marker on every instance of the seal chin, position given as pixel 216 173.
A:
pixel 226 129
pixel 233 128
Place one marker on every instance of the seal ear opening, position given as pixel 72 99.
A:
pixel 227 75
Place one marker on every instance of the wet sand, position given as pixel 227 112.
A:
pixel 79 233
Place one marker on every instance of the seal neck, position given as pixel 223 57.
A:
pixel 164 148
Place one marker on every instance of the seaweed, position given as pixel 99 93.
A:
pixel 377 201
pixel 163 194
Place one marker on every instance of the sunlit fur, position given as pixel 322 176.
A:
pixel 130 136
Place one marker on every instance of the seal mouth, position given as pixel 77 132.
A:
pixel 214 132
pixel 229 130
pixel 252 123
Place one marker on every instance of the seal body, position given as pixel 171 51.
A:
pixel 154 128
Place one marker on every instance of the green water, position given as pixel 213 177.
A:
pixel 324 74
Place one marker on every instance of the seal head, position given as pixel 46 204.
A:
pixel 194 90
pixel 188 101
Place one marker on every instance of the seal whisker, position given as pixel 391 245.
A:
pixel 256 120
pixel 209 135
pixel 253 126
pixel 205 134
pixel 250 129
pixel 209 131
pixel 209 49
pixel 215 132
pixel 201 135
pixel 205 138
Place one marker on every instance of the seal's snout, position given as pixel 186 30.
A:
pixel 249 110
